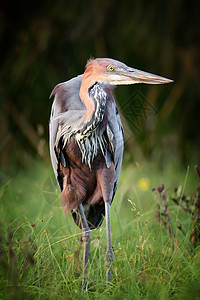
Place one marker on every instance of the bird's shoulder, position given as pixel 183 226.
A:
pixel 66 95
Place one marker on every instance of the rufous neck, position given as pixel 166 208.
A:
pixel 99 99
pixel 85 97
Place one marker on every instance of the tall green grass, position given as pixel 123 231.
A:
pixel 39 250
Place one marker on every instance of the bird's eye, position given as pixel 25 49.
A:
pixel 110 68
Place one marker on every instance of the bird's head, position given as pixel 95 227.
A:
pixel 113 72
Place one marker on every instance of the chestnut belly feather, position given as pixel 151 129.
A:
pixel 84 184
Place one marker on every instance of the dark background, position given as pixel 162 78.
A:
pixel 47 42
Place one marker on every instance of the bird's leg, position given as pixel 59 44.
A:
pixel 109 252
pixel 86 238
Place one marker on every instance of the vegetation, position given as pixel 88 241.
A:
pixel 39 255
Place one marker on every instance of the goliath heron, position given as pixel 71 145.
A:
pixel 86 144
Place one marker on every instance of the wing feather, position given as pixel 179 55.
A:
pixel 116 140
pixel 66 100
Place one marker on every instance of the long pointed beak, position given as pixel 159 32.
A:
pixel 136 76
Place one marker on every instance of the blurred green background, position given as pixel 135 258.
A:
pixel 44 43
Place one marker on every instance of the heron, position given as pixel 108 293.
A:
pixel 86 145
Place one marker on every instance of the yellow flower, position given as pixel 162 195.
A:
pixel 69 256
pixel 143 184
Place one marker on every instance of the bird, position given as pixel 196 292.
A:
pixel 86 144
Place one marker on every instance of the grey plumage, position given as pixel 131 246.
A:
pixel 67 121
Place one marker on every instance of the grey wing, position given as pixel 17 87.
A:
pixel 66 100
pixel 53 130
pixel 116 140
pixel 56 154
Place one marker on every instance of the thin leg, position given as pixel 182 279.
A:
pixel 86 238
pixel 109 252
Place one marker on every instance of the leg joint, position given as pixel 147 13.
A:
pixel 109 257
pixel 86 235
